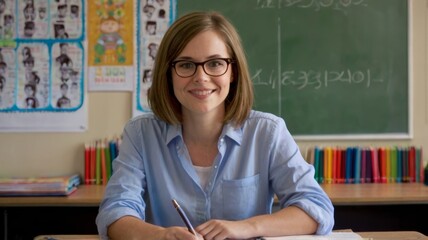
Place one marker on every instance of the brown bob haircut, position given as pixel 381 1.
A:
pixel 161 96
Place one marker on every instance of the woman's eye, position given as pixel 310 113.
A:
pixel 214 63
pixel 186 65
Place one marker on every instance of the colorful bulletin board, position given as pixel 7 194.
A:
pixel 42 65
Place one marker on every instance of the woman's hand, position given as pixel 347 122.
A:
pixel 178 233
pixel 288 221
pixel 129 227
pixel 221 229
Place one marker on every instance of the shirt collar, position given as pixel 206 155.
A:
pixel 230 131
pixel 173 131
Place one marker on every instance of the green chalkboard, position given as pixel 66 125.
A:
pixel 328 67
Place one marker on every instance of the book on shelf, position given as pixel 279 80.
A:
pixel 356 165
pixel 39 186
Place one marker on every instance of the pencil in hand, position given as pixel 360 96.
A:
pixel 184 217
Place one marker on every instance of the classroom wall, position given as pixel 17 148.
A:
pixel 51 154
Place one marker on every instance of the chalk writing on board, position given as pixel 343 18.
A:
pixel 316 79
pixel 316 5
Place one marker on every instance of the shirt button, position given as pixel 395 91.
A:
pixel 215 166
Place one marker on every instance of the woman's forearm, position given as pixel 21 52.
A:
pixel 288 221
pixel 129 227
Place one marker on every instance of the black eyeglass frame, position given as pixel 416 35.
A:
pixel 228 61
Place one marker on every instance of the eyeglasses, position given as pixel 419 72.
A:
pixel 213 67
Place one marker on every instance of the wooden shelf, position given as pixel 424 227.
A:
pixel 340 194
pixel 377 193
pixel 85 195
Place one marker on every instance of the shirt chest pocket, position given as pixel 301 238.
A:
pixel 240 197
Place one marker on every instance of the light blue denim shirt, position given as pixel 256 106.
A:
pixel 255 161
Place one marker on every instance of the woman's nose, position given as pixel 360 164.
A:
pixel 200 74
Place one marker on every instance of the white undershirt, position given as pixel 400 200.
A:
pixel 204 174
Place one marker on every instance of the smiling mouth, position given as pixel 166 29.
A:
pixel 202 93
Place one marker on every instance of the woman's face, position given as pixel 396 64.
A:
pixel 202 93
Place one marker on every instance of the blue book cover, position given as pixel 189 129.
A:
pixel 317 164
pixel 357 164
pixel 348 167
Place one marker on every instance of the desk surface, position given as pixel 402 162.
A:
pixel 399 235
pixel 340 194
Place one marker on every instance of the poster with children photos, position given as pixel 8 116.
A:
pixel 7 19
pixel 66 75
pixel 42 62
pixel 7 77
pixel 154 18
pixel 33 76
pixel 50 19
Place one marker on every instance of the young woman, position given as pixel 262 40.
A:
pixel 203 146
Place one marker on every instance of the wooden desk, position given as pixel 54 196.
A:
pixel 74 214
pixel 374 207
pixel 361 207
pixel 394 235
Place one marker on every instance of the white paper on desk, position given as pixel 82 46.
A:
pixel 332 236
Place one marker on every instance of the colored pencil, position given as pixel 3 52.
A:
pixel 98 164
pixel 93 163
pixel 87 163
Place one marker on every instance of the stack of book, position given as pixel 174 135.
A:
pixel 367 164
pixel 40 186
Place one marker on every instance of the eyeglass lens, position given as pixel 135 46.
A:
pixel 212 67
